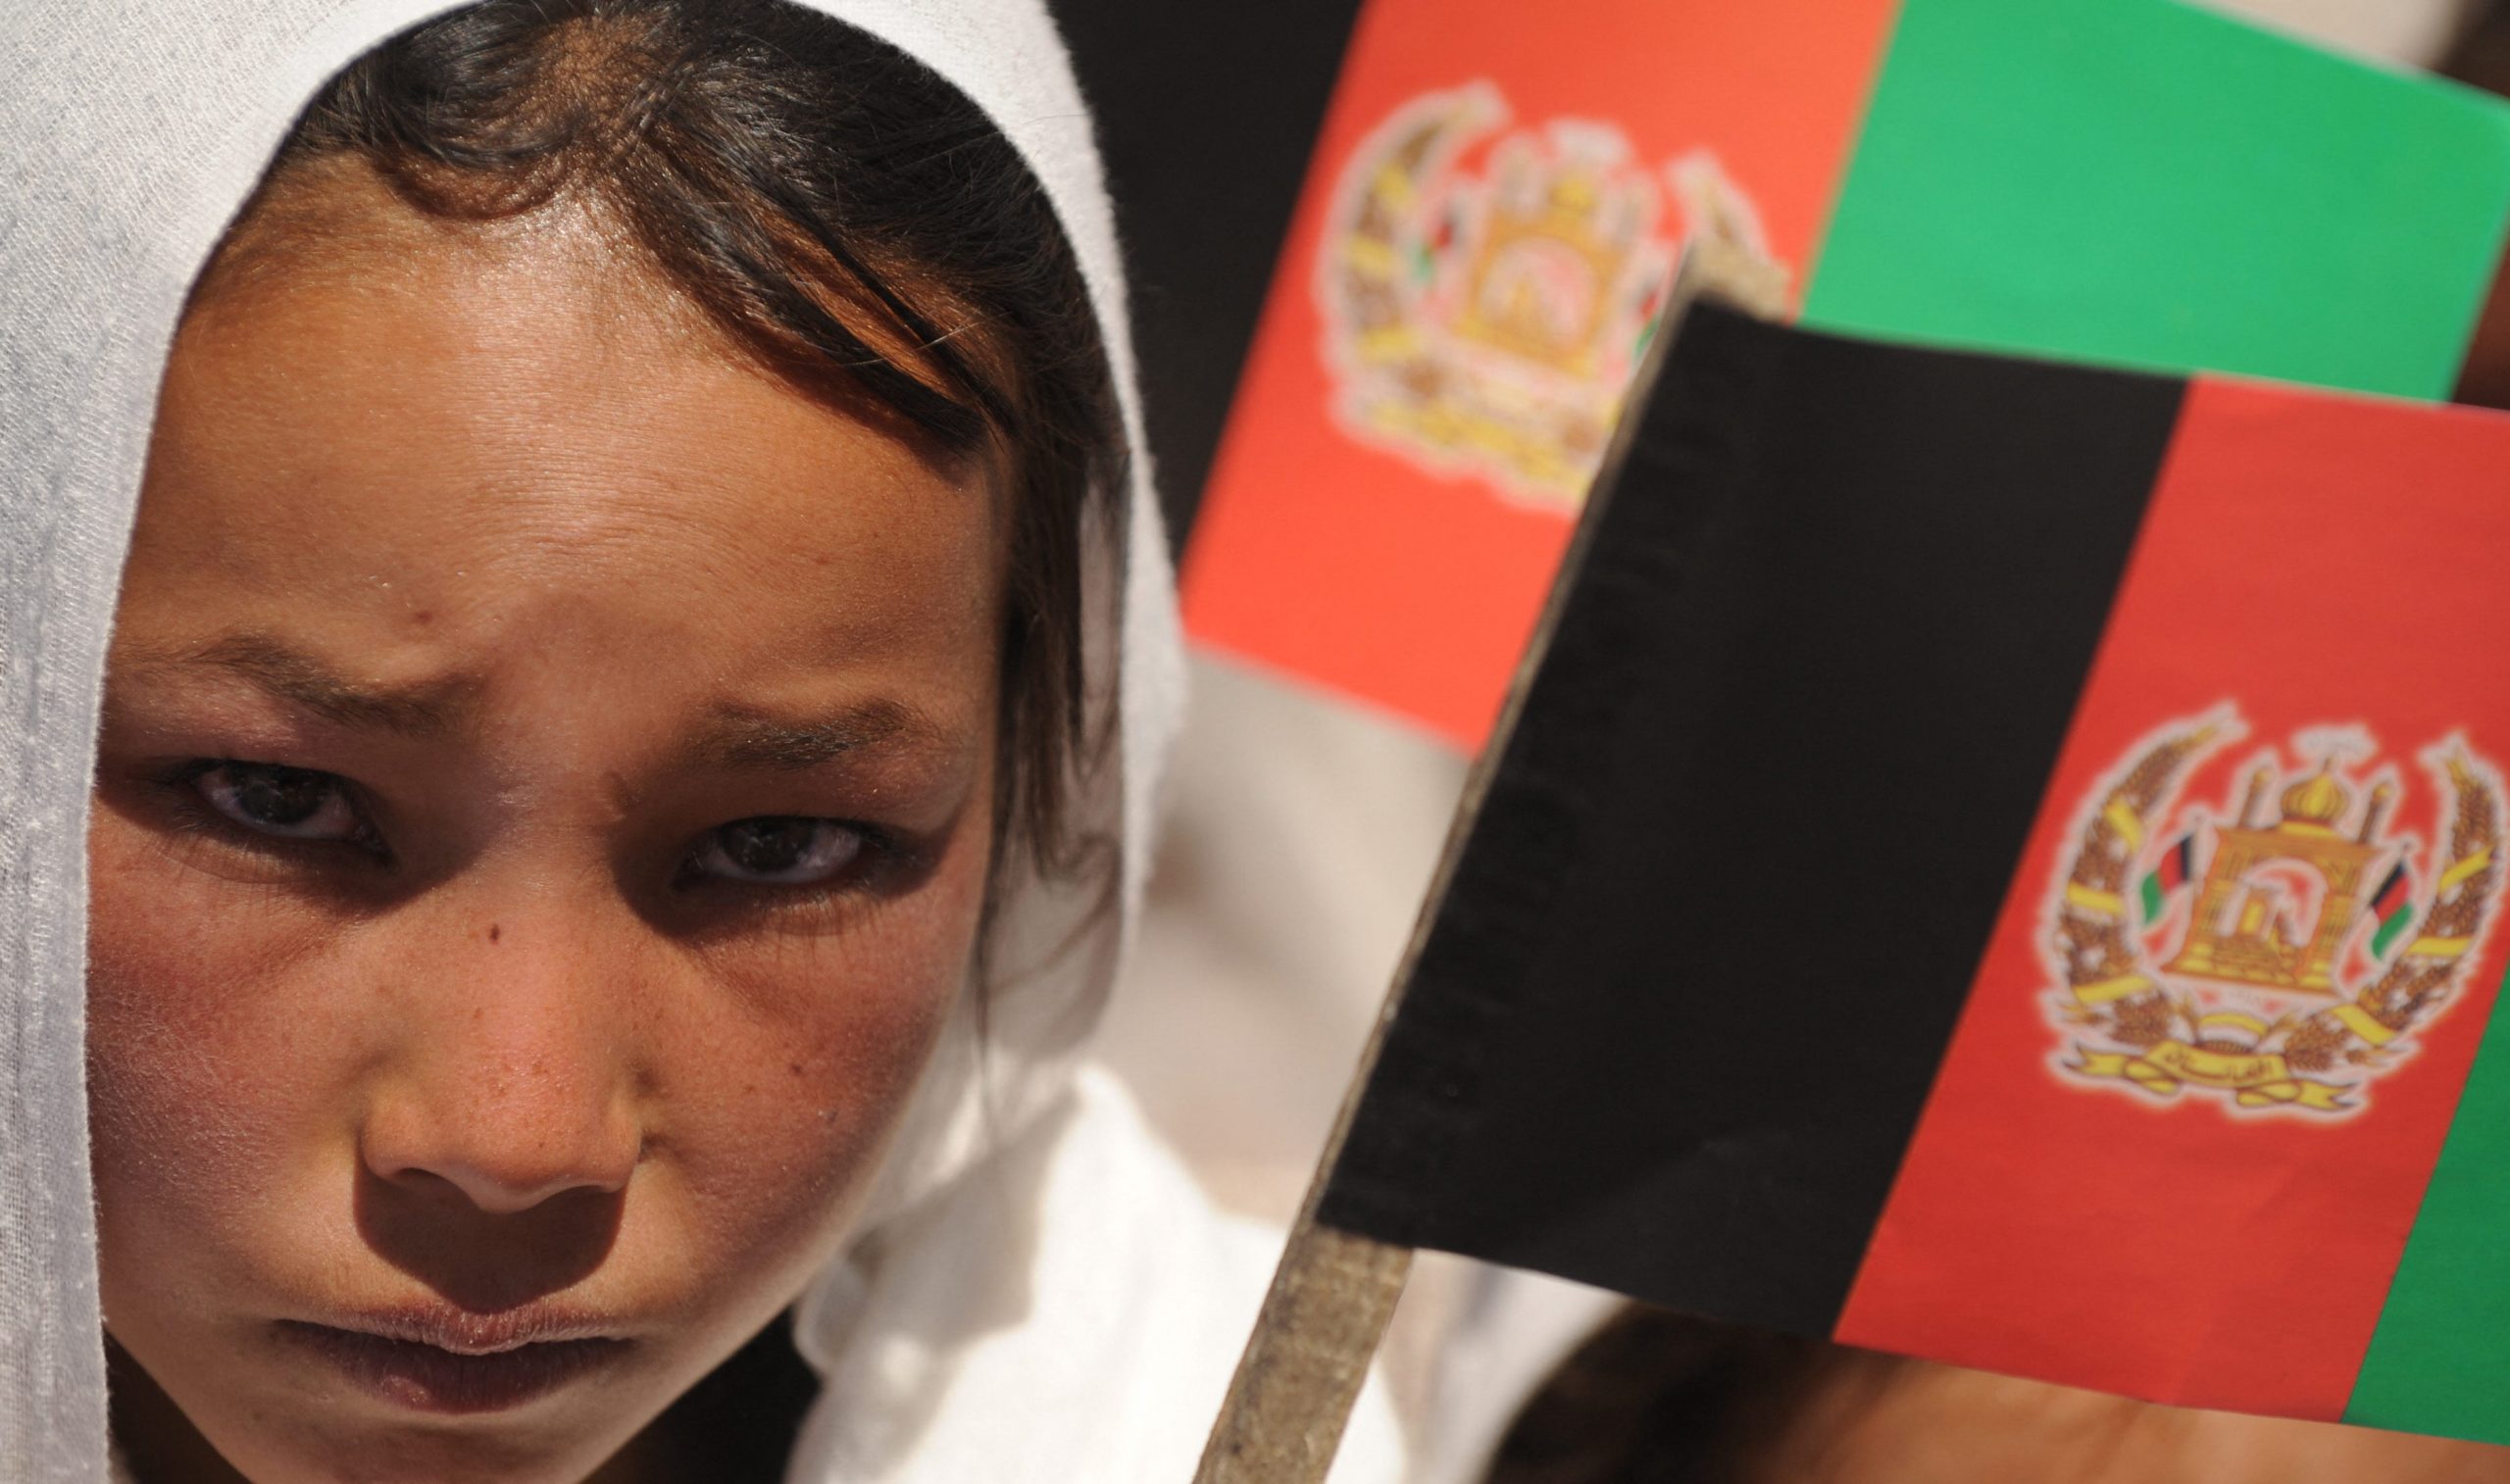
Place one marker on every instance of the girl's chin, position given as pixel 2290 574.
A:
pixel 320 1402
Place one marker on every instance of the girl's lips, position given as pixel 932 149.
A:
pixel 466 1370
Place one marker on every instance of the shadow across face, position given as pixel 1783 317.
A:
pixel 482 1261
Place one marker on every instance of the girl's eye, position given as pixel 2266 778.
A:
pixel 293 803
pixel 784 850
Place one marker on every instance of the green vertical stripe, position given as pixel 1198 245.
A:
pixel 2439 1360
pixel 2144 183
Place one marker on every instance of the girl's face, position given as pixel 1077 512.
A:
pixel 543 816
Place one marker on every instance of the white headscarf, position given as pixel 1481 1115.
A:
pixel 130 130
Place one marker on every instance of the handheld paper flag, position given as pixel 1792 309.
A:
pixel 1793 972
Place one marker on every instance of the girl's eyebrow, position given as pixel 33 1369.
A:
pixel 742 737
pixel 430 708
pixel 737 737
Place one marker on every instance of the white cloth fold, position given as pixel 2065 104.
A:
pixel 1094 1360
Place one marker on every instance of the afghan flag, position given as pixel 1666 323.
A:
pixel 1476 261
pixel 2393 909
pixel 2166 877
pixel 1785 973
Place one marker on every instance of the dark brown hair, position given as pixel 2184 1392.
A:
pixel 1658 1398
pixel 835 208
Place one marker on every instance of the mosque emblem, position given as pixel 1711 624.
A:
pixel 2280 949
pixel 1489 293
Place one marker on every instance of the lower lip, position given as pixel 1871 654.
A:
pixel 429 1379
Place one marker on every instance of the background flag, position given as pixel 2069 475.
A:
pixel 1474 264
pixel 1784 976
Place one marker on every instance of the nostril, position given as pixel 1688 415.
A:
pixel 501 1188
pixel 500 1158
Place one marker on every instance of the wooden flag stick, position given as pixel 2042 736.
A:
pixel 1334 1290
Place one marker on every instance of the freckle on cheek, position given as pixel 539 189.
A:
pixel 495 932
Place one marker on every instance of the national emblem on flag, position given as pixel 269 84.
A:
pixel 2239 1008
pixel 1486 294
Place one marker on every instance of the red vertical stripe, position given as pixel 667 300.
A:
pixel 1358 566
pixel 2310 559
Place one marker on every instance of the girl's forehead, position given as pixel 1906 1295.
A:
pixel 513 450
pixel 541 398
pixel 340 223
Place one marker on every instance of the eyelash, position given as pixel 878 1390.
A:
pixel 875 851
pixel 198 814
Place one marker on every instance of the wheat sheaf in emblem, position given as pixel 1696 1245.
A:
pixel 2281 957
pixel 1488 293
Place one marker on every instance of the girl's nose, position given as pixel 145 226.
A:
pixel 513 1080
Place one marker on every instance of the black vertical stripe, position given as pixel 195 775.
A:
pixel 1688 988
pixel 1206 115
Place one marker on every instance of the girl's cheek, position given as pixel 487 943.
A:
pixel 195 1055
pixel 812 1072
